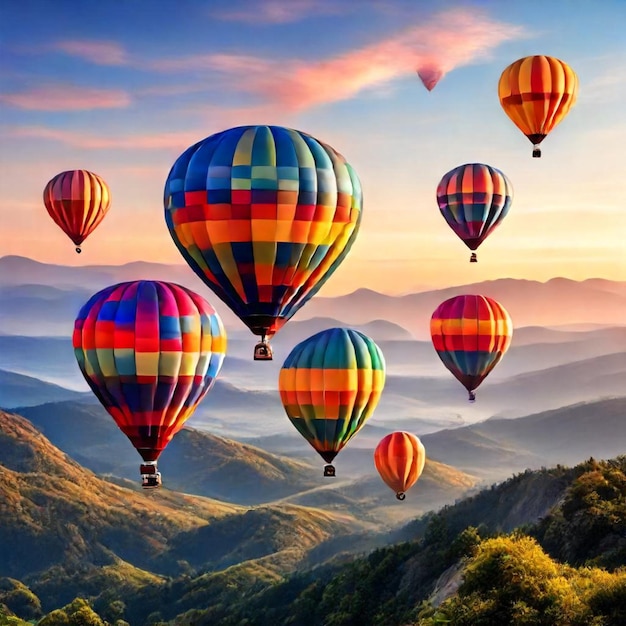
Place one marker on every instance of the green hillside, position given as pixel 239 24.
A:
pixel 66 532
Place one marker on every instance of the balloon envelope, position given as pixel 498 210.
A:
pixel 150 351
pixel 330 385
pixel 474 199
pixel 537 92
pixel 264 215
pixel 77 201
pixel 430 75
pixel 471 333
pixel 400 459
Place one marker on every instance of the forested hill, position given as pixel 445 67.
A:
pixel 463 565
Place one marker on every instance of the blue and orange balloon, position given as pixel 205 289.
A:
pixel 263 215
pixel 330 385
pixel 474 199
pixel 150 351
pixel 471 334
pixel 77 201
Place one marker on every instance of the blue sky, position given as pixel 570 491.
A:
pixel 122 88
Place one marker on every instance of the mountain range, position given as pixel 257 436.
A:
pixel 26 283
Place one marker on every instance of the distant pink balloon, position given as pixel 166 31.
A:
pixel 430 76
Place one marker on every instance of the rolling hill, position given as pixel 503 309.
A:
pixel 199 463
pixel 20 390
pixel 194 462
pixel 567 435
pixel 63 528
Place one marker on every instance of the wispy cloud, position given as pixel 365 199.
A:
pixel 153 141
pixel 281 11
pixel 449 40
pixel 66 98
pixel 98 52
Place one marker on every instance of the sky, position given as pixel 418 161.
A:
pixel 123 88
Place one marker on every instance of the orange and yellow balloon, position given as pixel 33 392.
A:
pixel 400 459
pixel 537 92
pixel 77 201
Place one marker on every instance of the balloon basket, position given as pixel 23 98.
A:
pixel 78 250
pixel 473 258
pixel 537 153
pixel 263 352
pixel 472 396
pixel 400 495
pixel 150 476
pixel 329 470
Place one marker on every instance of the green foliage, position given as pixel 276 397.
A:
pixel 19 599
pixel 76 613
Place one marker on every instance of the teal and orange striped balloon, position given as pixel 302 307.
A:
pixel 150 351
pixel 330 385
pixel 471 333
pixel 263 215
pixel 77 201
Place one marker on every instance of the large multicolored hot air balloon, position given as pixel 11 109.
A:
pixel 150 351
pixel 471 334
pixel 474 198
pixel 263 215
pixel 537 92
pixel 77 201
pixel 400 459
pixel 330 385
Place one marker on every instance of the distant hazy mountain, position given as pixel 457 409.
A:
pixel 567 435
pixel 530 303
pixel 494 448
pixel 556 302
pixel 20 390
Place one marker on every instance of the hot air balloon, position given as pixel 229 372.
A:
pixel 474 198
pixel 150 351
pixel 399 459
pixel 77 201
pixel 430 75
pixel 471 334
pixel 537 92
pixel 330 385
pixel 263 215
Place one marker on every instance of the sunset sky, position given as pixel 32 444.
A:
pixel 122 88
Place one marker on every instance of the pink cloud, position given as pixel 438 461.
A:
pixel 99 52
pixel 448 41
pixel 67 98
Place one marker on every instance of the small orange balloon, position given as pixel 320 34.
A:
pixel 399 459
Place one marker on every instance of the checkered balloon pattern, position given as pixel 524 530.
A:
pixel 330 385
pixel 474 199
pixel 264 215
pixel 471 334
pixel 150 351
pixel 77 201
